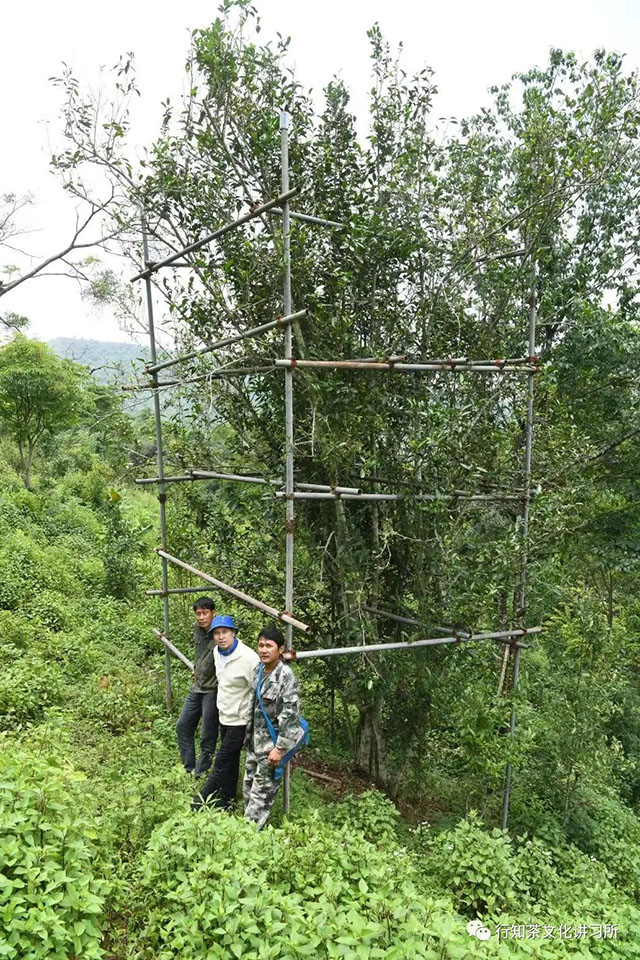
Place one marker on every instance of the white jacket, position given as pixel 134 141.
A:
pixel 234 684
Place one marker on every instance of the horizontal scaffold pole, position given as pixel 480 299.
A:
pixel 143 480
pixel 174 650
pixel 377 497
pixel 220 232
pixel 467 361
pixel 218 374
pixel 283 615
pixel 308 218
pixel 329 488
pixel 488 366
pixel 242 478
pixel 235 477
pixel 172 590
pixel 227 341
pixel 377 612
pixel 391 616
pixel 459 633
pixel 406 645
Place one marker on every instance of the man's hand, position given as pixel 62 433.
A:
pixel 275 757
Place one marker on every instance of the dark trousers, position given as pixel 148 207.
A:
pixel 222 782
pixel 198 706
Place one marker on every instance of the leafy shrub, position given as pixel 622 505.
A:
pixel 11 517
pixel 73 654
pixel 537 879
pixel 27 567
pixel 28 686
pixel 211 885
pixel 54 611
pixel 50 899
pixel 476 866
pixel 605 828
pixel 69 519
pixel 585 884
pixel 20 569
pixel 89 488
pixel 118 701
pixel 15 629
pixel 372 813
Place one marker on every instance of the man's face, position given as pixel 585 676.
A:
pixel 204 617
pixel 224 637
pixel 268 651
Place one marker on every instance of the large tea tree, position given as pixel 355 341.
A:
pixel 448 241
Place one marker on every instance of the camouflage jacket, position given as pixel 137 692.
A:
pixel 204 665
pixel 281 700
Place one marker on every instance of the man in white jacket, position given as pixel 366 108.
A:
pixel 235 665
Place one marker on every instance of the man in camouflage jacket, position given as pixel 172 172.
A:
pixel 281 700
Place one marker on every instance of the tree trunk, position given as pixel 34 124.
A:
pixel 27 473
pixel 370 751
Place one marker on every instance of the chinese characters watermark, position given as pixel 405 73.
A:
pixel 544 931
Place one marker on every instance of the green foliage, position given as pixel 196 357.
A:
pixel 39 394
pixel 476 866
pixel 118 701
pixel 370 812
pixel 609 831
pixel 212 884
pixel 119 549
pixel 28 687
pixel 428 266
pixel 51 899
pixel 14 630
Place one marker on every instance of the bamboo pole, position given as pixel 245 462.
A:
pixel 392 616
pixel 522 593
pixel 489 366
pixel 218 374
pixel 174 650
pixel 284 615
pixel 377 497
pixel 144 480
pixel 234 477
pixel 254 212
pixel 308 218
pixel 162 496
pixel 498 636
pixel 227 341
pixel 288 407
pixel 172 590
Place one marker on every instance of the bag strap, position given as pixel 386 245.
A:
pixel 270 727
pixel 290 754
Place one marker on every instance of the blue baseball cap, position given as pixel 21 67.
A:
pixel 224 620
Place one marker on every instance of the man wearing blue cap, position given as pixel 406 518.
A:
pixel 235 665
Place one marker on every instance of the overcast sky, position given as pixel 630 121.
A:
pixel 470 45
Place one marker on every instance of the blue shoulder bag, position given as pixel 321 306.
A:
pixel 290 754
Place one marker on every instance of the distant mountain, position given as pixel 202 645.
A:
pixel 108 361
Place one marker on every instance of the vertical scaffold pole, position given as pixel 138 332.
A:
pixel 288 407
pixel 522 591
pixel 162 496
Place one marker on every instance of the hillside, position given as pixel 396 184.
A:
pixel 108 360
pixel 92 792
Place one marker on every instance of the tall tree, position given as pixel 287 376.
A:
pixel 442 237
pixel 40 394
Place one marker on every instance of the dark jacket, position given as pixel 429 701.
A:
pixel 203 663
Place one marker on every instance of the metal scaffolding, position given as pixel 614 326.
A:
pixel 288 490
